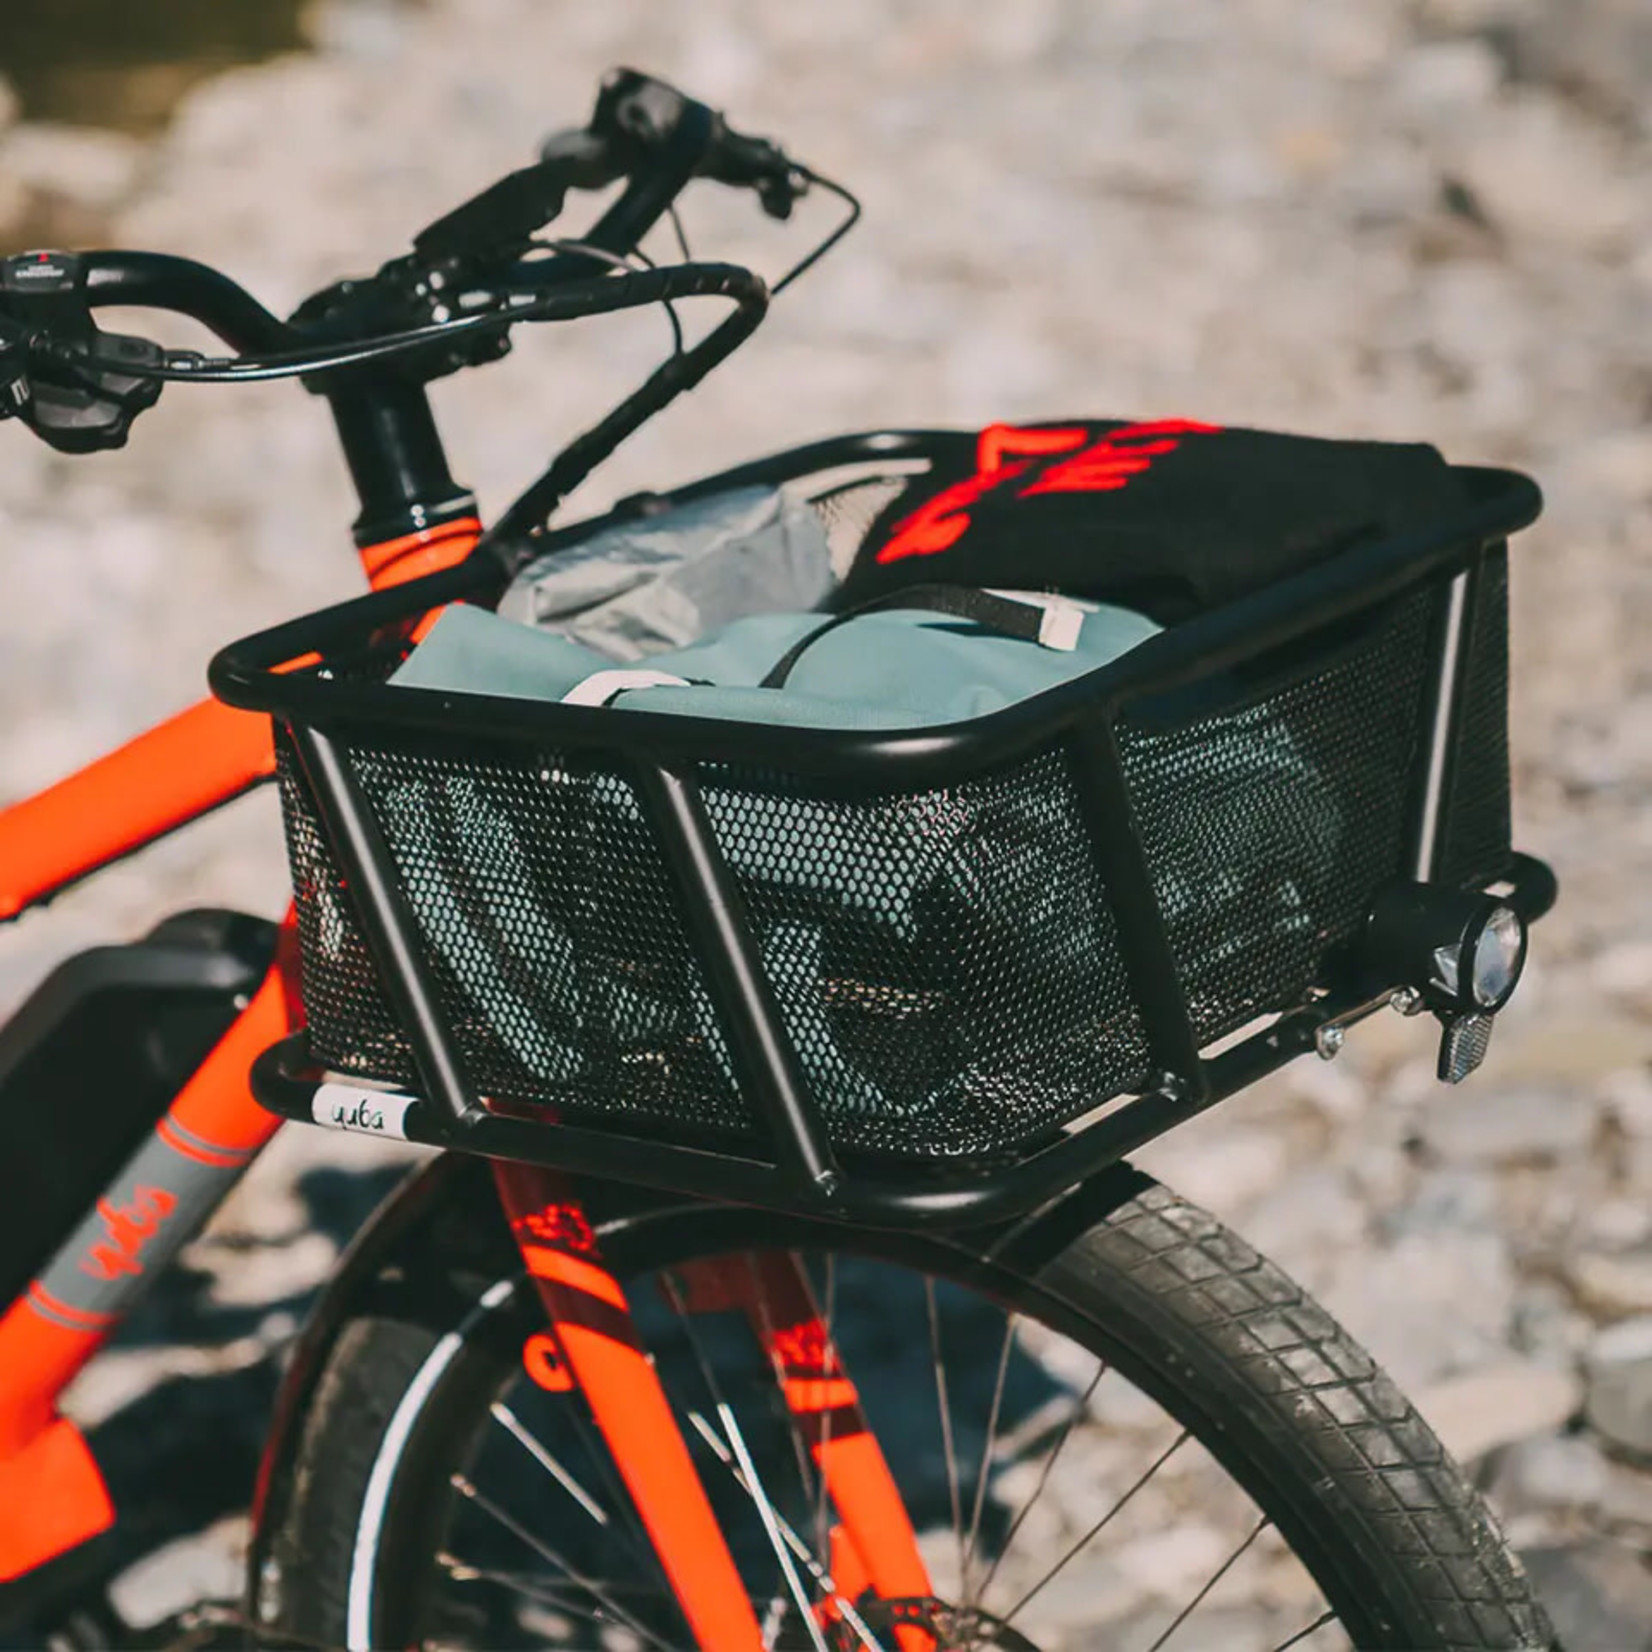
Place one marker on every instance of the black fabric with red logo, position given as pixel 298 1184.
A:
pixel 1169 517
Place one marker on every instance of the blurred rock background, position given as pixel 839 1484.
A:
pixel 1401 218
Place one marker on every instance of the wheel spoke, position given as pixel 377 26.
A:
pixel 545 1552
pixel 748 1468
pixel 822 1538
pixel 708 1377
pixel 513 1425
pixel 765 1513
pixel 546 1592
pixel 823 1579
pixel 1325 1617
pixel 984 1472
pixel 602 1465
pixel 1153 1468
pixel 939 1366
pixel 1210 1583
pixel 1080 1410
pixel 805 1475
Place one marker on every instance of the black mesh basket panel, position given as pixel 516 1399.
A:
pixel 945 960
pixel 564 968
pixel 1269 828
pixel 352 1029
pixel 1476 833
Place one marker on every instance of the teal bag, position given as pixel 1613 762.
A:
pixel 897 668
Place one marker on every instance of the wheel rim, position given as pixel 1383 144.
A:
pixel 1056 1505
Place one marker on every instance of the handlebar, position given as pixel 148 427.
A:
pixel 370 345
pixel 159 281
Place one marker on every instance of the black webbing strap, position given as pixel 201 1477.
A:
pixel 966 602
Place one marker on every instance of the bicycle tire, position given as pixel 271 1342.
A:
pixel 1234 1352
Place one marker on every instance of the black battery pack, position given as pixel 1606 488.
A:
pixel 93 1058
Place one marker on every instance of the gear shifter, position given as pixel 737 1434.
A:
pixel 71 405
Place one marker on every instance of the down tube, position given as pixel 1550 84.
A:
pixel 51 1493
pixel 149 787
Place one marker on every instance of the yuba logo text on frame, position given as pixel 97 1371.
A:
pixel 127 1229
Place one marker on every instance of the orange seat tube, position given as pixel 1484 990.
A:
pixel 592 1324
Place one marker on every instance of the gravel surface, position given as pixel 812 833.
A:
pixel 1429 219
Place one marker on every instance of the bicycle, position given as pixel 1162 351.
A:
pixel 659 1297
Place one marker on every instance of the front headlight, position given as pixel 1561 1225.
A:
pixel 1460 952
pixel 1499 956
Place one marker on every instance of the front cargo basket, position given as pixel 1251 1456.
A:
pixel 883 973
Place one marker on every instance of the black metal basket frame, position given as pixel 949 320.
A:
pixel 1295 624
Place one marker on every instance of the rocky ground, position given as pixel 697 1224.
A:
pixel 1402 218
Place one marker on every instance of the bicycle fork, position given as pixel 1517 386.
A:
pixel 872 1545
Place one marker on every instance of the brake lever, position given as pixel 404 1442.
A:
pixel 757 164
pixel 71 405
pixel 636 113
pixel 78 408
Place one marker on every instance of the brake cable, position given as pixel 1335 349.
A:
pixel 850 219
pixel 585 249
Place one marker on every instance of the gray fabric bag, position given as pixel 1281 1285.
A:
pixel 663 581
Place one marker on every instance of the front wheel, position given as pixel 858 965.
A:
pixel 1138 1435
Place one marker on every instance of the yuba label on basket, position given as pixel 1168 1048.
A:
pixel 366 1112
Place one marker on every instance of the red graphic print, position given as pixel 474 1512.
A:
pixel 561 1226
pixel 1102 466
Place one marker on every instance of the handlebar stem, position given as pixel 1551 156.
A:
pixel 396 458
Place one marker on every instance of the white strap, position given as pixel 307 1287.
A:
pixel 601 686
pixel 1063 617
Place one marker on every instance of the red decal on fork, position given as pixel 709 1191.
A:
pixel 874 1540
pixel 592 1327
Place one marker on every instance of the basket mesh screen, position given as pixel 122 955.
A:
pixel 560 958
pixel 945 960
pixel 1269 828
pixel 351 1027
